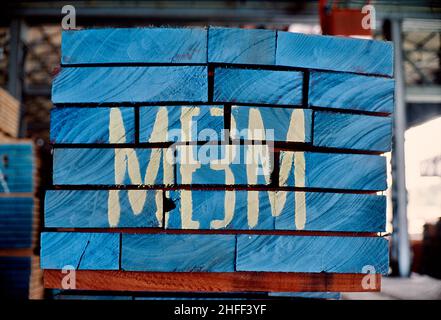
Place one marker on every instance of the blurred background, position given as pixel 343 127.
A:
pixel 30 37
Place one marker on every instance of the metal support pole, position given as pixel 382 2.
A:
pixel 16 65
pixel 401 234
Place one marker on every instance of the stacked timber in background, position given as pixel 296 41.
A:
pixel 20 274
pixel 9 115
pixel 314 111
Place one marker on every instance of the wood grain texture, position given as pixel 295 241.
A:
pixel 270 210
pixel 91 125
pixel 280 124
pixel 241 46
pixel 221 210
pixel 82 251
pixel 181 123
pixel 130 84
pixel 224 165
pixel 9 113
pixel 354 92
pixel 90 208
pixel 134 45
pixel 178 253
pixel 334 171
pixel 349 131
pixel 212 281
pixel 311 254
pixel 17 168
pixel 257 86
pixel 334 53
pixel 123 166
pixel 332 212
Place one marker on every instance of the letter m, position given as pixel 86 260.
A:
pixel 127 165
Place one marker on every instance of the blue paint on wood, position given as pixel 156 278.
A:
pixel 257 86
pixel 349 131
pixel 241 46
pixel 89 125
pixel 341 171
pixel 311 254
pixel 131 84
pixel 209 205
pixel 276 119
pixel 203 158
pixel 349 91
pixel 16 222
pixel 89 209
pixel 16 168
pixel 334 212
pixel 207 125
pixel 178 253
pixel 334 53
pixel 83 166
pixel 82 251
pixel 134 45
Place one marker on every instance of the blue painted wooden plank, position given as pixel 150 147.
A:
pixel 318 211
pixel 82 251
pixel 334 53
pixel 311 254
pixel 134 45
pixel 16 167
pixel 257 86
pixel 332 170
pixel 123 166
pixel 350 131
pixel 131 84
pixel 95 209
pixel 209 209
pixel 269 210
pixel 171 123
pixel 224 164
pixel 241 46
pixel 17 147
pixel 92 125
pixel 178 252
pixel 16 201
pixel 349 91
pixel 280 124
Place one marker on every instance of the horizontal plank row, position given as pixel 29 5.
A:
pixel 217 165
pixel 215 209
pixel 190 84
pixel 101 125
pixel 103 280
pixel 213 253
pixel 223 45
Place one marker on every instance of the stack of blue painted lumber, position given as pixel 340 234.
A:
pixel 215 154
pixel 18 221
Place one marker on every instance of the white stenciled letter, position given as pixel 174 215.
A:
pixel 126 161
